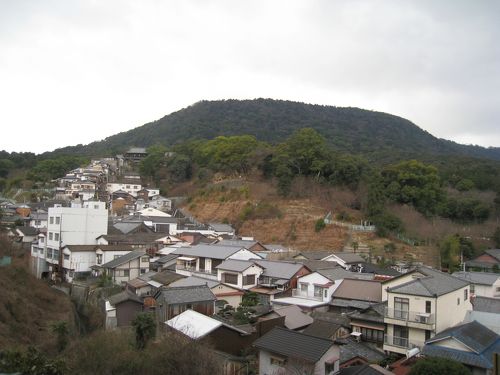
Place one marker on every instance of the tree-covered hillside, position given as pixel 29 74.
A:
pixel 375 135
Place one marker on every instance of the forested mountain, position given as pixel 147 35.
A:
pixel 375 135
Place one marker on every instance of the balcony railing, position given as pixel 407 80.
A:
pixel 410 316
pixel 207 272
pixel 402 342
pixel 185 268
pixel 301 294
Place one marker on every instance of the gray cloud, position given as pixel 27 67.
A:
pixel 77 71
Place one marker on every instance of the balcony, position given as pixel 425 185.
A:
pixel 400 344
pixel 207 274
pixel 301 294
pixel 409 318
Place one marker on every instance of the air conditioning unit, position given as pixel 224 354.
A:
pixel 423 318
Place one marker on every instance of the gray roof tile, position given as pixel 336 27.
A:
pixel 208 251
pixel 279 270
pixel 484 278
pixel 124 259
pixel 485 304
pixel 294 344
pixel 186 294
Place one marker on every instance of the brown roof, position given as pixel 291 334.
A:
pixel 120 247
pixel 75 248
pixel 361 290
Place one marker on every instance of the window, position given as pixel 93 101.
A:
pixel 96 206
pixel 230 278
pixel 42 240
pixel 99 258
pixel 303 287
pixel 325 293
pixel 318 291
pixel 458 301
pixel 56 236
pixel 373 335
pixel 428 305
pixel 126 273
pixel 51 236
pixel 38 222
pixel 66 256
pixel 275 361
pixel 136 187
pixel 466 294
pixel 427 334
pixel 249 280
pixel 143 271
pixel 472 288
pixel 400 336
pixel 116 256
pixel 127 187
pixel 145 259
pixel 51 220
pixel 58 220
pixel 401 308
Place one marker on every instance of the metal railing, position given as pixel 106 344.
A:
pixel 402 342
pixel 410 316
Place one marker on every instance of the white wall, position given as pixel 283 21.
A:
pixel 77 225
pixel 316 278
pixel 244 254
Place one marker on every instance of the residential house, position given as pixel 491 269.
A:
pixel 487 261
pixel 77 261
pixel 471 344
pixel 129 186
pixel 350 261
pixel 25 236
pixel 221 229
pixel 421 304
pixel 252 245
pixel 485 311
pixel 239 273
pixel 328 325
pixel 223 292
pixel 172 301
pixel 121 309
pixel 202 260
pixel 355 294
pixel 222 336
pixel 127 267
pixel 39 219
pixel 356 353
pixel 369 322
pixel 285 351
pixel 79 224
pixel 295 318
pixel 482 284
pixel 314 291
pixel 313 255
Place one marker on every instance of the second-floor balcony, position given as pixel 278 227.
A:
pixel 304 294
pixel 400 344
pixel 410 317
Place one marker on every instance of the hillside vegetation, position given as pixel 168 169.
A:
pixel 378 136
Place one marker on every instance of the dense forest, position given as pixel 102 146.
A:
pixel 375 135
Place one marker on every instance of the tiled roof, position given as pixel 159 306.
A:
pixel 28 231
pixel 316 254
pixel 484 278
pixel 124 296
pixel 235 265
pixel 339 273
pixel 433 283
pixel 361 290
pixel 220 227
pixel 166 277
pixel 186 294
pixel 208 251
pixel 350 348
pixel 485 304
pixel 294 317
pixel 495 253
pixel 349 257
pixel 322 328
pixel 279 270
pixel 114 247
pixel 294 344
pixel 124 259
pixel 195 281
pixel 473 334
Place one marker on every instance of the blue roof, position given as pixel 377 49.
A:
pixel 482 341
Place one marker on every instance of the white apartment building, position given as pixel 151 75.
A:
pixel 421 304
pixel 131 187
pixel 79 224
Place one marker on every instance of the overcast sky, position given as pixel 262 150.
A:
pixel 78 71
